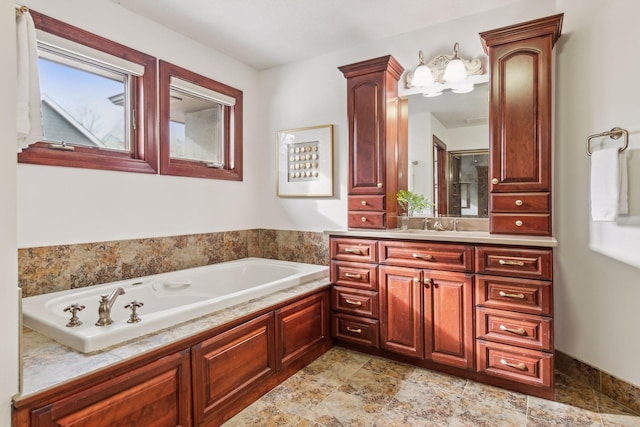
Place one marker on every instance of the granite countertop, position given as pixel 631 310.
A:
pixel 450 236
pixel 47 364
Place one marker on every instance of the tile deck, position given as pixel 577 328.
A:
pixel 346 388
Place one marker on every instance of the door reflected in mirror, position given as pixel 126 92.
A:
pixel 437 127
pixel 469 183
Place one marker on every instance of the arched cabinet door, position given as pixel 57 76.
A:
pixel 520 59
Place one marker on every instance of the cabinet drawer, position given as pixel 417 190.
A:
pixel 525 330
pixel 365 203
pixel 354 275
pixel 353 301
pixel 358 330
pixel 358 250
pixel 427 255
pixel 366 219
pixel 514 363
pixel 516 262
pixel 535 224
pixel 521 295
pixel 521 202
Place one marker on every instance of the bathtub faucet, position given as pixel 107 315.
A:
pixel 104 310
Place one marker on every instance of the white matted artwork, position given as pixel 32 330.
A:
pixel 305 162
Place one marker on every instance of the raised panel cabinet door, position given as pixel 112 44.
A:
pixel 400 298
pixel 155 395
pixel 228 365
pixel 366 107
pixel 521 116
pixel 448 318
pixel 302 327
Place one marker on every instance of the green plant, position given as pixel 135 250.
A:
pixel 411 202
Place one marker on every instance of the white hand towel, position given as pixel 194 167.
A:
pixel 28 118
pixel 623 198
pixel 606 185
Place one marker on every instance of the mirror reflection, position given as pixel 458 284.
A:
pixel 446 132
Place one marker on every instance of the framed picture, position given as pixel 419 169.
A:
pixel 305 162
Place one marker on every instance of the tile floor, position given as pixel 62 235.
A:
pixel 345 388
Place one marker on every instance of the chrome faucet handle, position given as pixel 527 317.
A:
pixel 134 306
pixel 74 309
pixel 455 224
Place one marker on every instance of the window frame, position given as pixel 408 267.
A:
pixel 233 139
pixel 143 156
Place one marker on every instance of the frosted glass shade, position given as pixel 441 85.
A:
pixel 455 71
pixel 422 76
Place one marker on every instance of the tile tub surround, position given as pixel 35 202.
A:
pixel 346 388
pixel 55 268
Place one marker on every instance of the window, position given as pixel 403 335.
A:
pixel 98 101
pixel 200 126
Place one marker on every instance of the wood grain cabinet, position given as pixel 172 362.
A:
pixel 203 380
pixel 158 394
pixel 514 315
pixel 520 63
pixel 478 311
pixel 373 108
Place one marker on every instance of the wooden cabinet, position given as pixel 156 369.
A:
pixel 514 316
pixel 157 394
pixel 474 310
pixel 354 300
pixel 202 380
pixel 228 365
pixel 373 108
pixel 520 61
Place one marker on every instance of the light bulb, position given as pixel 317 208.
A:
pixel 422 76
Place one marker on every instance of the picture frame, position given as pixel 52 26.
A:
pixel 305 162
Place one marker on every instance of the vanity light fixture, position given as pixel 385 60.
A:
pixel 444 72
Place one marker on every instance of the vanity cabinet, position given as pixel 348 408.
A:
pixel 520 63
pixel 474 310
pixel 426 304
pixel 374 136
pixel 514 314
pixel 203 380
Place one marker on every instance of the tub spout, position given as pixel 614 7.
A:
pixel 106 302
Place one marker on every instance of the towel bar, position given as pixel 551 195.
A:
pixel 614 133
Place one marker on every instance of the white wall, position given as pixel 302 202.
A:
pixel 59 205
pixel 8 247
pixel 597 298
pixel 469 138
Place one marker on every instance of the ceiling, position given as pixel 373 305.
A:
pixel 268 33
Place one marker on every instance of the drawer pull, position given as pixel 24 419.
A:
pixel 353 276
pixel 354 330
pixel 356 251
pixel 507 262
pixel 495 181
pixel 364 203
pixel 509 295
pixel 518 331
pixel 348 301
pixel 363 219
pixel 519 223
pixel 518 202
pixel 520 366
pixel 428 257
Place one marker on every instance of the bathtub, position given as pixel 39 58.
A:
pixel 168 298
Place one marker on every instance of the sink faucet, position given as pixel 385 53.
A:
pixel 104 310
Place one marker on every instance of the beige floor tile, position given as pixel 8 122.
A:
pixel 494 398
pixel 562 413
pixel 344 409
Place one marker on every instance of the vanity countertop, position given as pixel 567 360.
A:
pixel 46 363
pixel 450 236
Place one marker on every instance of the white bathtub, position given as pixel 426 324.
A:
pixel 168 298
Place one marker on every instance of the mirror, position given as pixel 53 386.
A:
pixel 446 132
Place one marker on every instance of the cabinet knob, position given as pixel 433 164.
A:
pixel 364 203
pixel 379 185
pixel 519 223
pixel 363 219
pixel 495 181
pixel 426 282
pixel 518 202
pixel 416 280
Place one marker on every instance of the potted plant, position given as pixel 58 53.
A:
pixel 411 203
